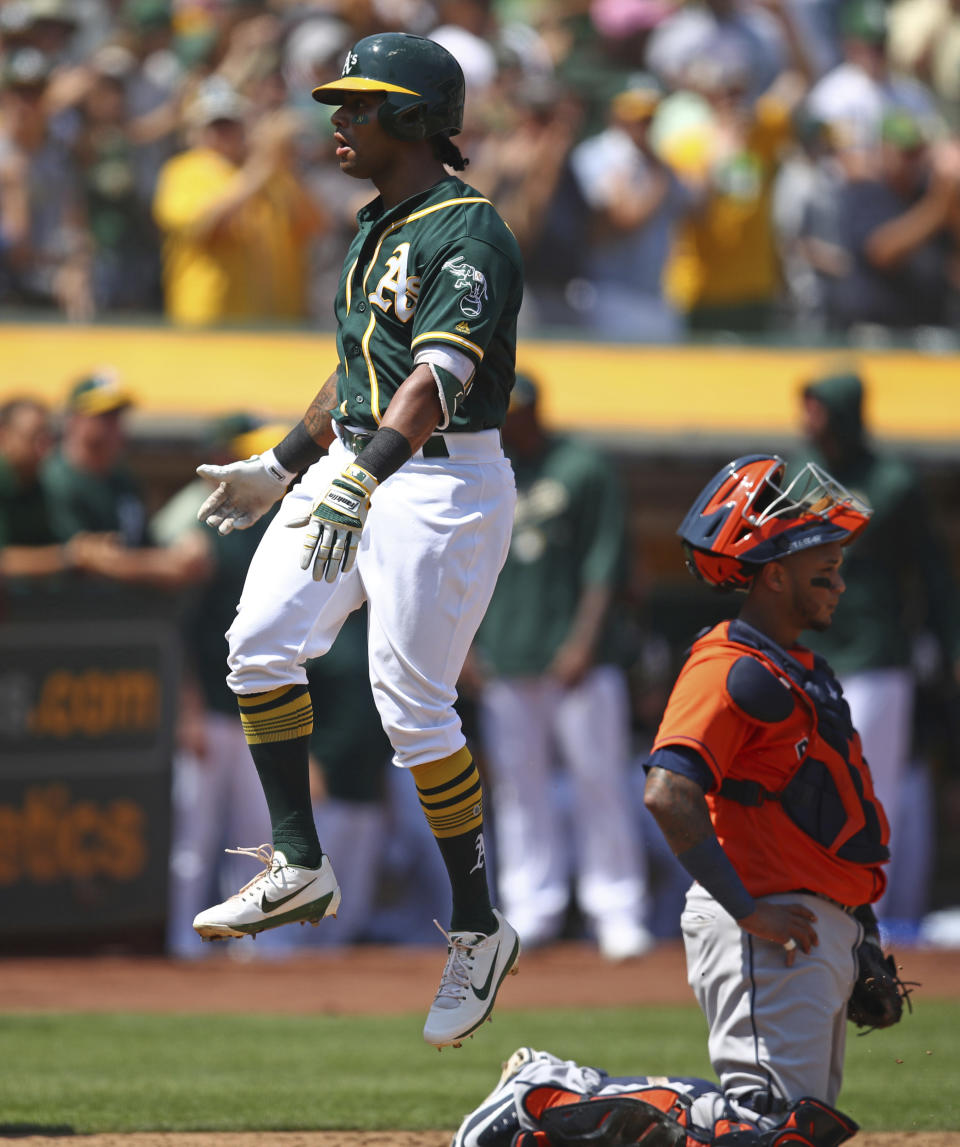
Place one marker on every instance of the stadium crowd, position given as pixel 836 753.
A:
pixel 668 167
pixel 762 167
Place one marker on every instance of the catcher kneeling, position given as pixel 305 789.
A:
pixel 758 782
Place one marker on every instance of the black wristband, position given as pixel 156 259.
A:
pixel 385 453
pixel 298 450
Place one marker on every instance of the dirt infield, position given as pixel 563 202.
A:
pixel 567 975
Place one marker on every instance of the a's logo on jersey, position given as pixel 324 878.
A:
pixel 349 63
pixel 469 279
pixel 397 283
pixel 800 748
pixel 462 328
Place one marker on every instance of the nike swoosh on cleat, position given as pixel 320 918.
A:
pixel 482 993
pixel 269 905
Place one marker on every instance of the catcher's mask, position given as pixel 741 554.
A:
pixel 744 518
pixel 421 82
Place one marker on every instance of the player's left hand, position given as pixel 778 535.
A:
pixel 335 524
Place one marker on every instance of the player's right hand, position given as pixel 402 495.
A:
pixel 245 492
pixel 782 923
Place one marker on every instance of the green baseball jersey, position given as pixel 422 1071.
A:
pixel 79 501
pixel 568 535
pixel 441 268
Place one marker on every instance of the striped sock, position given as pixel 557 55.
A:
pixel 451 797
pixel 277 725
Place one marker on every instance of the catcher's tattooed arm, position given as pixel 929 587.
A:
pixel 680 809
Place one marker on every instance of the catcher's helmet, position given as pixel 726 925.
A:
pixel 743 518
pixel 421 81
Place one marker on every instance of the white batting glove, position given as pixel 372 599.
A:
pixel 335 524
pixel 245 492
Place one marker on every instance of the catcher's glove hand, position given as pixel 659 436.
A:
pixel 879 994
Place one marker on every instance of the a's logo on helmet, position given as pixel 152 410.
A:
pixel 469 279
pixel 349 63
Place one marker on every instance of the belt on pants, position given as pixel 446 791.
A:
pixel 829 899
pixel 355 440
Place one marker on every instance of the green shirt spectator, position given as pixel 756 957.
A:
pixel 568 535
pixel 900 555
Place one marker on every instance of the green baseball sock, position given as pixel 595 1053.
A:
pixel 277 726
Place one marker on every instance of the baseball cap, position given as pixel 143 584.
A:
pixel 639 97
pixel 98 393
pixel 26 68
pixel 902 130
pixel 147 13
pixel 216 100
pixel 864 20
pixel 59 11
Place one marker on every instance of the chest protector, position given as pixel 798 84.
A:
pixel 829 794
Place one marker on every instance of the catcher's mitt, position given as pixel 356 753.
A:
pixel 879 994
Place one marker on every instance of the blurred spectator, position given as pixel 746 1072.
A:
pixel 29 546
pixel 925 42
pixel 724 269
pixel 893 259
pixel 898 578
pixel 526 171
pixel 853 98
pixel 806 195
pixel 468 30
pixel 236 217
pixel 152 88
pixel 755 33
pixel 45 246
pixel 211 767
pixel 88 487
pixel 551 693
pixel 126 245
pixel 636 202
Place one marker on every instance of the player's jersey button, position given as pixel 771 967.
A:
pixel 353 350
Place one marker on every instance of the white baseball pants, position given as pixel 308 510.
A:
pixel 434 542
pixel 530 725
pixel 776 1033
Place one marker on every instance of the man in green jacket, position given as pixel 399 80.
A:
pixel 899 584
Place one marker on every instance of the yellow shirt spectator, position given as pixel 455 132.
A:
pixel 251 266
pixel 725 254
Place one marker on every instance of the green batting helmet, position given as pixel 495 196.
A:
pixel 421 82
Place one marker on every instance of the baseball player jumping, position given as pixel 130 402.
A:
pixel 759 785
pixel 406 430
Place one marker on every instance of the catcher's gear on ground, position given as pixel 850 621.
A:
pixel 335 524
pixel 246 491
pixel 744 518
pixel 879 994
pixel 610 1121
pixel 421 82
pixel 808 1123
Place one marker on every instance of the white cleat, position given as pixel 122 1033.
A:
pixel 282 894
pixel 475 968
